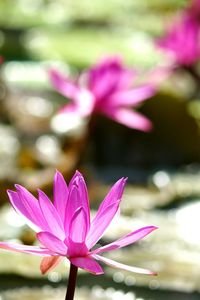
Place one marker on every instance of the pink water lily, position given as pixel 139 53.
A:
pixel 107 90
pixel 64 229
pixel 183 38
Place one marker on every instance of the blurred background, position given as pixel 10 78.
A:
pixel 163 165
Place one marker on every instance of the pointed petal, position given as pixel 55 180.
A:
pixel 52 243
pixel 25 249
pixel 63 85
pixel 101 224
pixel 74 179
pixel 132 97
pixel 105 213
pixel 49 263
pixel 127 239
pixel 72 206
pixel 78 180
pixel 78 197
pixel 82 99
pixel 51 215
pixel 117 265
pixel 129 118
pixel 78 227
pixel 88 264
pixel 113 196
pixel 28 206
pixel 21 210
pixel 61 194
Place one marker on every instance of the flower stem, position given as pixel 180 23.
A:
pixel 71 282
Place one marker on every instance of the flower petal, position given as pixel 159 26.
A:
pixel 49 263
pixel 180 40
pixel 132 97
pixel 129 118
pixel 78 197
pixel 72 206
pixel 105 213
pixel 127 239
pixel 78 180
pixel 25 249
pixel 51 215
pixel 100 225
pixel 109 76
pixel 78 227
pixel 52 243
pixel 21 210
pixel 117 265
pixel 61 194
pixel 63 85
pixel 88 264
pixel 27 205
pixel 82 99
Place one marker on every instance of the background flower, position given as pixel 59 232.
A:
pixel 182 39
pixel 107 90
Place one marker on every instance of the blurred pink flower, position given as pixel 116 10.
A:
pixel 107 90
pixel 183 39
pixel 64 228
pixel 194 9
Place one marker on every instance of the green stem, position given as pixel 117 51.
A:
pixel 71 282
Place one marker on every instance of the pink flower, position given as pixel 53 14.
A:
pixel 183 40
pixel 64 228
pixel 194 9
pixel 107 90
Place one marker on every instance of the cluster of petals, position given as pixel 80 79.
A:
pixel 64 229
pixel 107 89
pixel 182 39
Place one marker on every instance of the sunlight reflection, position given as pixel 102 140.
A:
pixel 188 221
pixel 161 179
pixel 48 148
pixel 73 125
pixel 38 107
